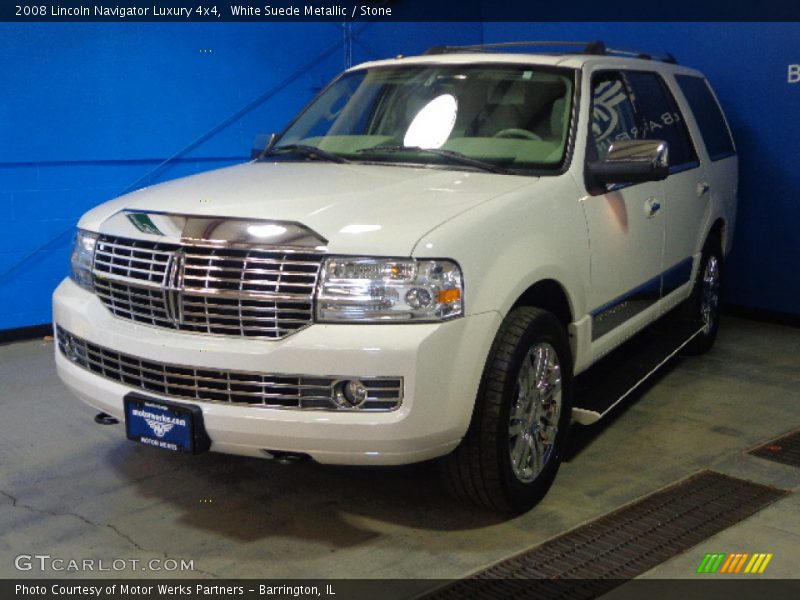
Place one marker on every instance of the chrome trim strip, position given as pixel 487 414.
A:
pixel 173 287
pixel 212 231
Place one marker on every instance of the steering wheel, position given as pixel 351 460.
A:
pixel 522 134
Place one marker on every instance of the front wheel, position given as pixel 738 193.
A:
pixel 513 448
pixel 703 306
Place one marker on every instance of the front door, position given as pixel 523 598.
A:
pixel 625 222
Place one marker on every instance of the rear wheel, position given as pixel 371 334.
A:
pixel 703 306
pixel 512 450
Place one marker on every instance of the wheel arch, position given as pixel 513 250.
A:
pixel 718 229
pixel 549 295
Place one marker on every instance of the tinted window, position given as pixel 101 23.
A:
pixel 661 119
pixel 708 116
pixel 613 117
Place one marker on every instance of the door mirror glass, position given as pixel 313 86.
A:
pixel 633 161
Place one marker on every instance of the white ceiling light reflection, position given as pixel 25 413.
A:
pixel 359 228
pixel 265 231
pixel 433 124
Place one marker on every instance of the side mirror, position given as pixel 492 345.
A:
pixel 261 144
pixel 633 161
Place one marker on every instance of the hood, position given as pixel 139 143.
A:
pixel 359 209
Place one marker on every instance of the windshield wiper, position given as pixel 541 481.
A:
pixel 306 150
pixel 454 156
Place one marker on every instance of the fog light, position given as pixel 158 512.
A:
pixel 70 350
pixel 349 394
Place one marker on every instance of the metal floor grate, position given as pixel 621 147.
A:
pixel 599 556
pixel 784 450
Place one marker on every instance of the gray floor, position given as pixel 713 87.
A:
pixel 72 489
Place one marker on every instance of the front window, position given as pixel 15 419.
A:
pixel 499 117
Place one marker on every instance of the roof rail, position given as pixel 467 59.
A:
pixel 667 58
pixel 597 48
pixel 585 47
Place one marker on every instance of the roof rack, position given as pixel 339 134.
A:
pixel 596 48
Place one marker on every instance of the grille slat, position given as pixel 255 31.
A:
pixel 254 270
pixel 130 270
pixel 193 313
pixel 225 291
pixel 264 282
pixel 249 296
pixel 210 385
pixel 253 257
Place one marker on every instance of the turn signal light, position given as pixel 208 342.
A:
pixel 448 296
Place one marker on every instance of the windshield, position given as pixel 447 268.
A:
pixel 514 118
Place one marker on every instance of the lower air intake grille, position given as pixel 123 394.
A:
pixel 210 385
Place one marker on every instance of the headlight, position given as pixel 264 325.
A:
pixel 82 258
pixel 376 289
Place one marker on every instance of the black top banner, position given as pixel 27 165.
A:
pixel 396 10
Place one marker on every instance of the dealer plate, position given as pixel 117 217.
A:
pixel 165 425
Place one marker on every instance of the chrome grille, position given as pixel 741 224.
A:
pixel 203 289
pixel 211 385
pixel 132 259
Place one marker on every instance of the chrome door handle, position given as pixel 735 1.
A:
pixel 702 189
pixel 651 207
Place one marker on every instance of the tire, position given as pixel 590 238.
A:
pixel 703 306
pixel 512 450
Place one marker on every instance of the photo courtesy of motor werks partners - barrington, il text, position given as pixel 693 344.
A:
pixel 211 591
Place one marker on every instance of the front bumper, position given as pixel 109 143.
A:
pixel 441 366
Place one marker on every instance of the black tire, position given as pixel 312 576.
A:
pixel 480 469
pixel 703 306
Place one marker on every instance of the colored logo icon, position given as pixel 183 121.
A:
pixel 729 564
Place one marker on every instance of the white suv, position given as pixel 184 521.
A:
pixel 417 267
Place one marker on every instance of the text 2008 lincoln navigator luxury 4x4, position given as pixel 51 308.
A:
pixel 417 267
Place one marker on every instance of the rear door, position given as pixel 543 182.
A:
pixel 686 190
pixel 721 159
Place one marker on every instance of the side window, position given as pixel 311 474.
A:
pixel 661 119
pixel 613 116
pixel 709 117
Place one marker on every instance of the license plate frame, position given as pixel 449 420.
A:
pixel 165 425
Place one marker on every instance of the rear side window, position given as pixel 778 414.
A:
pixel 661 119
pixel 715 132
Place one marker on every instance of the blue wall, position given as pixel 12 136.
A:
pixel 747 65
pixel 90 110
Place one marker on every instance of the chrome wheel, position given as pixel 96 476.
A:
pixel 535 412
pixel 709 298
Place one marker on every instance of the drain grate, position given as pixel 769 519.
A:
pixel 784 450
pixel 597 557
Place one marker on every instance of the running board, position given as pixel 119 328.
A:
pixel 612 379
